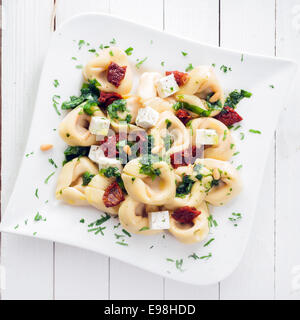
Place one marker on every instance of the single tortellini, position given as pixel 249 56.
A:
pixel 94 194
pixel 169 134
pixel 203 83
pixel 193 232
pixel 147 85
pixel 74 129
pixel 194 177
pixel 98 68
pixel 156 189
pixel 70 186
pixel 227 181
pixel 225 148
pixel 133 216
pixel 133 105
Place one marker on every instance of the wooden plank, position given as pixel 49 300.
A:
pixel 79 274
pixel 126 281
pixel 199 20
pixel 287 271
pixel 26 32
pixel 250 26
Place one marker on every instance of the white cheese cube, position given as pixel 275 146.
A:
pixel 159 220
pixel 99 126
pixel 96 153
pixel 167 86
pixel 206 137
pixel 105 162
pixel 147 117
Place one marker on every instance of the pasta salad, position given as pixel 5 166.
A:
pixel 157 157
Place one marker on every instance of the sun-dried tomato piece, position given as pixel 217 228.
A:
pixel 115 74
pixel 109 145
pixel 113 195
pixel 180 77
pixel 185 157
pixel 183 116
pixel 185 214
pixel 107 98
pixel 228 116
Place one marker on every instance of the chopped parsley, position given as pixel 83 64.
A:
pixel 48 178
pixel 111 53
pixel 189 68
pixel 74 152
pixel 113 172
pixel 208 242
pixel 127 233
pixel 128 51
pixel 122 243
pixel 147 166
pixel 38 217
pixel 81 43
pixel 113 41
pixel 255 131
pixel 116 107
pixel 235 217
pixel 82 221
pixel 79 66
pixel 184 53
pixel 184 187
pixel 87 178
pixel 144 229
pixel 56 83
pixel 242 135
pixel 96 225
pixel 168 123
pixel 29 154
pixel 212 222
pixel 55 103
pixel 239 167
pixel 225 69
pixel 36 193
pixel 225 135
pixel 138 65
pixel 235 97
pixel 271 86
pixel 162 63
pixel 52 162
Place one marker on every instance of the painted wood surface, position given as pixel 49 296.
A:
pixel 38 269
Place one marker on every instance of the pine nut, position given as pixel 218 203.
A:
pixel 46 147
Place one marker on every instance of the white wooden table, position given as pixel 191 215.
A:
pixel 270 269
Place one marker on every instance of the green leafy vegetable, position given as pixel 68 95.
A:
pixel 113 172
pixel 116 107
pixel 184 187
pixel 87 178
pixel 89 92
pixel 189 68
pixel 128 51
pixel 195 109
pixel 74 152
pixel 235 97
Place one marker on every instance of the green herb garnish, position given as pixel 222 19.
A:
pixel 87 178
pixel 138 65
pixel 235 97
pixel 128 51
pixel 48 178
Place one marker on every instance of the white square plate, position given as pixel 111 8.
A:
pixel 260 112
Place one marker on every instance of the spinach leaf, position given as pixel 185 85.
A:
pixel 184 187
pixel 74 152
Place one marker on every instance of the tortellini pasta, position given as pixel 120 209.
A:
pixel 94 194
pixel 74 129
pixel 147 85
pixel 70 183
pixel 143 188
pixel 198 191
pixel 170 135
pixel 203 82
pixel 193 232
pixel 133 216
pixel 97 69
pixel 225 147
pixel 228 184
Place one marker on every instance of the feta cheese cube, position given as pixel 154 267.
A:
pixel 159 220
pixel 147 117
pixel 99 126
pixel 105 162
pixel 207 137
pixel 167 86
pixel 96 153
